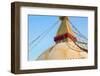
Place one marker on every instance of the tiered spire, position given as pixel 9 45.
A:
pixel 65 30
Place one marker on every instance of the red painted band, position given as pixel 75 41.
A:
pixel 66 35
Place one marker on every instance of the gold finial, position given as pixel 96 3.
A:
pixel 63 17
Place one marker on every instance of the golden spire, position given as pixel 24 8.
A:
pixel 65 26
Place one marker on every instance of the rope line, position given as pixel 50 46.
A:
pixel 42 35
pixel 71 47
pixel 81 39
pixel 79 33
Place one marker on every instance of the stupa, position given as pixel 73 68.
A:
pixel 65 44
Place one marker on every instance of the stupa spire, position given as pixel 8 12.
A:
pixel 65 31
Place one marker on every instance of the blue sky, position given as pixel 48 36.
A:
pixel 38 24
